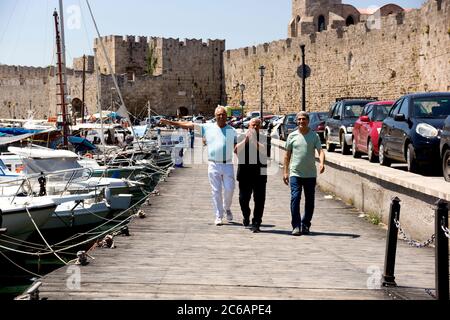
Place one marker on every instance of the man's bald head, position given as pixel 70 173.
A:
pixel 221 116
pixel 219 110
pixel 255 123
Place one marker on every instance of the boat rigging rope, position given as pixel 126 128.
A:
pixel 19 266
pixel 43 239
pixel 96 235
pixel 101 225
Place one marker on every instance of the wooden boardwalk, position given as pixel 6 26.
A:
pixel 177 252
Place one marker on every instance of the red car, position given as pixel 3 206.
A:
pixel 367 129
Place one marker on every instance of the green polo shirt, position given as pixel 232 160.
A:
pixel 303 157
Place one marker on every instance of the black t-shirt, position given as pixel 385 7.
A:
pixel 251 162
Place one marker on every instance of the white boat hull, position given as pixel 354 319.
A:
pixel 17 222
pixel 66 217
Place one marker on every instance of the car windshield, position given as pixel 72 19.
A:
pixel 432 107
pixel 322 115
pixel 381 112
pixel 353 110
pixel 291 119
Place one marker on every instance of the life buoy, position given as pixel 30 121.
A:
pixel 19 169
pixel 89 155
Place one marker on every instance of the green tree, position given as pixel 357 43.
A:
pixel 152 60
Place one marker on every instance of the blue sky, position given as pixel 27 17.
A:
pixel 27 28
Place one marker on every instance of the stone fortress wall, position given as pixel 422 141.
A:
pixel 410 52
pixel 403 51
pixel 187 74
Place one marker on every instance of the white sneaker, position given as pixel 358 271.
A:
pixel 218 222
pixel 229 216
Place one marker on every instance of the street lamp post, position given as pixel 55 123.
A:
pixel 242 103
pixel 302 47
pixel 262 69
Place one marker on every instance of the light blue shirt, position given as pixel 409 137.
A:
pixel 220 142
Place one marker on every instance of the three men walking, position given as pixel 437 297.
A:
pixel 299 169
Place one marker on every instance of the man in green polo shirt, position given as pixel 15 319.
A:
pixel 300 171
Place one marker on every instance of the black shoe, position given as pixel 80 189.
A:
pixel 256 229
pixel 246 222
pixel 305 230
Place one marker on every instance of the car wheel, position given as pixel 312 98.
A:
pixel 345 149
pixel 446 165
pixel 355 152
pixel 330 147
pixel 370 153
pixel 382 157
pixel 413 166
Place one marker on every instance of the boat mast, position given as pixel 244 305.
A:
pixel 99 103
pixel 61 83
pixel 122 108
pixel 83 89
pixel 63 44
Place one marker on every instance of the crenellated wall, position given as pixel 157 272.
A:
pixel 434 46
pixel 409 53
pixel 187 74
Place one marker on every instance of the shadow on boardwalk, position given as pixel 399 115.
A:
pixel 178 253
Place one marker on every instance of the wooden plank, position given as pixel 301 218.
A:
pixel 177 252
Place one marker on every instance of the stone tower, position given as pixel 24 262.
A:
pixel 310 16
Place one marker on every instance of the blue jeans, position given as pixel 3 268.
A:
pixel 309 186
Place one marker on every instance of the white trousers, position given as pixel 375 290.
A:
pixel 221 174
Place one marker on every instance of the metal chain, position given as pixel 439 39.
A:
pixel 444 228
pixel 430 292
pixel 412 242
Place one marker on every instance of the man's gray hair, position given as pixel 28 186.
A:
pixel 303 114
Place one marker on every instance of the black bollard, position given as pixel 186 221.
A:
pixel 2 230
pixel 441 254
pixel 391 244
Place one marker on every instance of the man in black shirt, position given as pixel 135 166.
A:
pixel 252 173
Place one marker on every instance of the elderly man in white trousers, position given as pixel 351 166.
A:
pixel 221 140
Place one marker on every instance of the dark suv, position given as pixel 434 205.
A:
pixel 289 124
pixel 412 131
pixel 339 125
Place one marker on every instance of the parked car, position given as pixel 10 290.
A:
pixel 445 149
pixel 317 123
pixel 368 127
pixel 339 124
pixel 199 119
pixel 289 124
pixel 411 132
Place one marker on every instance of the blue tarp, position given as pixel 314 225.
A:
pixel 17 131
pixel 114 115
pixel 80 144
